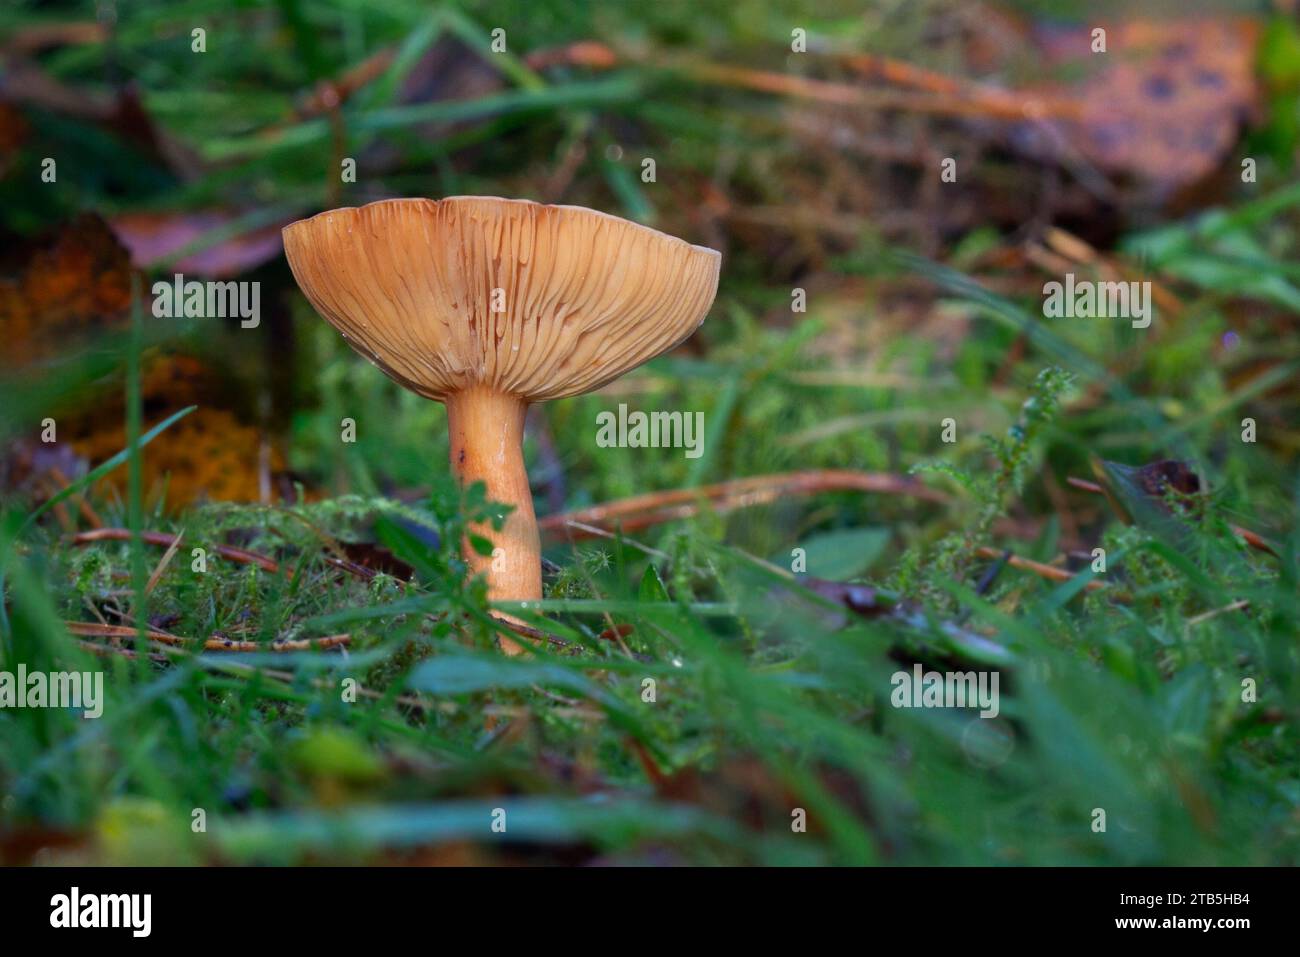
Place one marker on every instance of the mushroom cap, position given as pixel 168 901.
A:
pixel 580 296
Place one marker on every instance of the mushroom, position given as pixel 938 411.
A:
pixel 488 305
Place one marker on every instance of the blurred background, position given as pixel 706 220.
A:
pixel 891 184
pixel 801 167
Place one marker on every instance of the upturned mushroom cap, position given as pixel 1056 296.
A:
pixel 583 296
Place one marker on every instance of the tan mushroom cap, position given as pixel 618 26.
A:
pixel 587 296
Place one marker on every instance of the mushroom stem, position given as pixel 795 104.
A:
pixel 487 433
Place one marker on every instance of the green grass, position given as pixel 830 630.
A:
pixel 1130 707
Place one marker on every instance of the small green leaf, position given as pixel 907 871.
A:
pixel 845 553
pixel 652 588
pixel 336 753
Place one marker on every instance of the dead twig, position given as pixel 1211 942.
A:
pixel 92 630
pixel 161 567
pixel 1253 539
pixel 83 506
pixel 1216 612
pixel 922 90
pixel 642 511
pixel 165 540
pixel 1038 568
